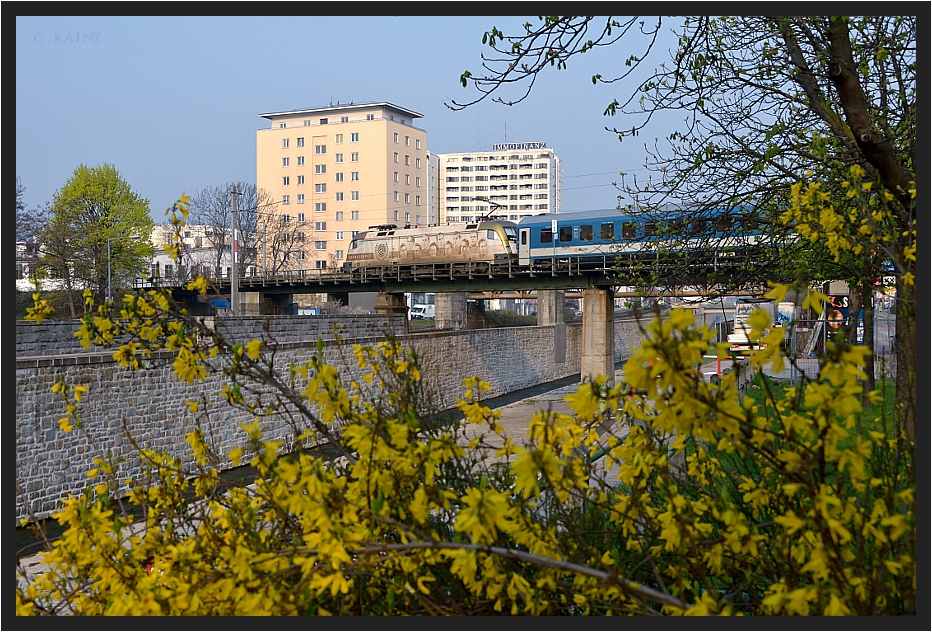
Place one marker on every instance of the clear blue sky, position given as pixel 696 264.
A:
pixel 173 102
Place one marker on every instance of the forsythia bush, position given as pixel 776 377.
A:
pixel 797 505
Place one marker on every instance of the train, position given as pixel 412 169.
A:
pixel 541 239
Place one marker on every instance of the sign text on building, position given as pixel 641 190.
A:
pixel 517 146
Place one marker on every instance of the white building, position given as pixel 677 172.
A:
pixel 512 181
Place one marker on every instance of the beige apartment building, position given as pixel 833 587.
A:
pixel 512 181
pixel 334 171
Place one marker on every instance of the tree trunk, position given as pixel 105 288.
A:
pixel 867 301
pixel 905 346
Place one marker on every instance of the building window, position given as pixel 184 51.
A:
pixel 338 216
pixel 353 234
pixel 396 137
pixel 300 179
pixel 417 219
pixel 320 265
pixel 320 169
pixel 407 218
pixel 300 236
pixel 320 188
pixel 300 198
pixel 338 138
pixel 320 226
pixel 320 149
pixel 300 161
pixel 339 254
pixel 301 215
pixel 320 207
pixel 396 196
pixel 306 123
pixel 344 119
pixel 417 143
pixel 407 141
pixel 339 176
pixel 320 245
pixel 370 117
pixel 323 121
pixel 354 175
pixel 396 176
pixel 338 157
pixel 354 156
pixel 354 215
pixel 354 137
pixel 396 216
pixel 408 160
pixel 417 181
pixel 417 163
pixel 354 196
pixel 339 235
pixel 301 141
pixel 286 180
pixel 286 200
pixel 284 143
pixel 338 196
pixel 285 161
pixel 283 125
pixel 396 156
pixel 407 198
pixel 417 200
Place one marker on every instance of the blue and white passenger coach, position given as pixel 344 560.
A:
pixel 593 235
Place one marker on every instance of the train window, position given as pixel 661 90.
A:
pixel 724 223
pixel 490 234
pixel 585 232
pixel 650 228
pixel 607 231
pixel 546 236
pixel 510 233
pixel 750 223
pixel 629 230
pixel 566 233
pixel 697 226
pixel 524 238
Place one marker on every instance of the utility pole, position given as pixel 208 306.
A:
pixel 234 277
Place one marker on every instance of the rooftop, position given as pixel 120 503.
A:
pixel 344 107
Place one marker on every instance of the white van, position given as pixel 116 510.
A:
pixel 420 312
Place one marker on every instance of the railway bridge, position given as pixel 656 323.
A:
pixel 595 277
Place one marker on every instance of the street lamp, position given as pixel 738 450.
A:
pixel 109 283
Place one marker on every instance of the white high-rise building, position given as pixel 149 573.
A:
pixel 512 181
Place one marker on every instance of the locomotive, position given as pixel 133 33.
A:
pixel 490 241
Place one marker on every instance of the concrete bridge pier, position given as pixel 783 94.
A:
pixel 253 304
pixel 450 310
pixel 550 307
pixel 393 304
pixel 598 334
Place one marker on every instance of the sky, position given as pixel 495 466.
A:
pixel 174 102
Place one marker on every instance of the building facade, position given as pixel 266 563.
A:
pixel 512 181
pixel 338 170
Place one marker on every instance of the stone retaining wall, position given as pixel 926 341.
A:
pixel 151 404
pixel 52 338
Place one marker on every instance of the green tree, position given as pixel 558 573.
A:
pixel 767 101
pixel 95 209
